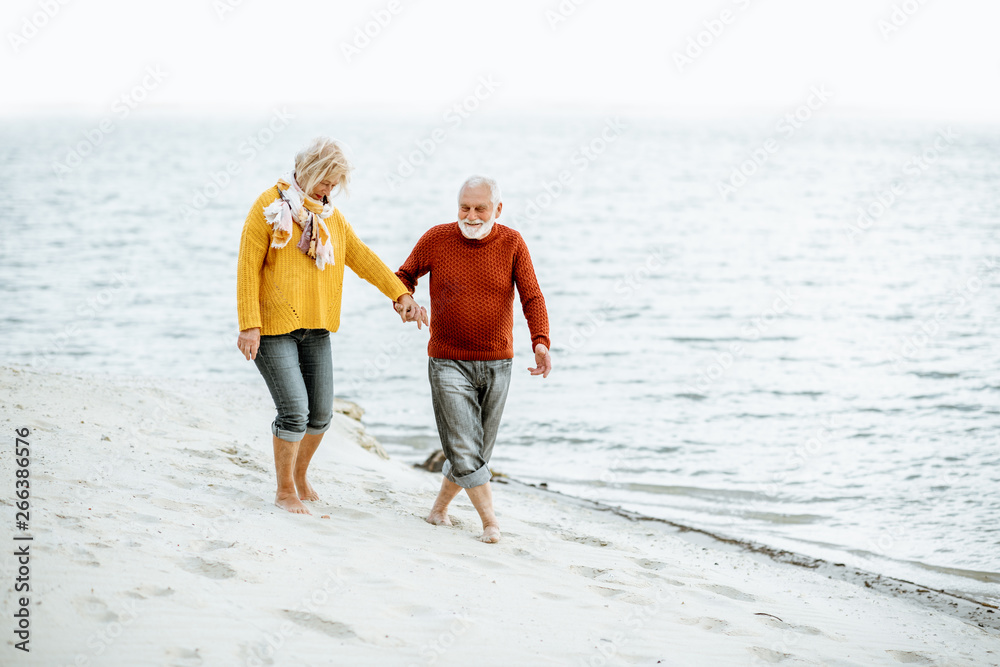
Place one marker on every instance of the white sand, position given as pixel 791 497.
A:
pixel 156 543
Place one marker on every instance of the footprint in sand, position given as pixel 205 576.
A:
pixel 706 623
pixel 621 596
pixel 583 539
pixel 84 557
pixel 208 568
pixel 346 513
pixel 767 655
pixel 656 578
pixel 606 592
pixel 321 625
pixel 43 425
pixel 248 464
pixel 552 596
pixel 203 546
pixel 910 658
pixel 243 460
pixel 729 592
pixel 589 572
pixel 172 505
pixel 148 591
pixel 96 607
pixel 202 454
pixel 183 657
pixel 718 625
pixel 69 522
pixel 380 496
pixel 778 624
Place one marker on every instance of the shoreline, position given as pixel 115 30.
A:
pixel 984 614
pixel 156 542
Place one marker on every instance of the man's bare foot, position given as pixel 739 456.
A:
pixel 306 492
pixel 438 518
pixel 290 502
pixel 491 534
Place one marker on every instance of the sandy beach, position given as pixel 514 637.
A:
pixel 155 542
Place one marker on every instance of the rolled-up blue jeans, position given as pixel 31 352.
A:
pixel 468 399
pixel 298 369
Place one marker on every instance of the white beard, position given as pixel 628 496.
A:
pixel 475 233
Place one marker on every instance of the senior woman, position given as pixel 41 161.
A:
pixel 293 250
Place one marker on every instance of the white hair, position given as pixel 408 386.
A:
pixel 476 181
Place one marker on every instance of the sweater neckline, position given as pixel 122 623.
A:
pixel 478 243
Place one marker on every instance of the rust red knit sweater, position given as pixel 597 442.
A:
pixel 472 291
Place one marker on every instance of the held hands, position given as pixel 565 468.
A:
pixel 249 342
pixel 409 311
pixel 543 361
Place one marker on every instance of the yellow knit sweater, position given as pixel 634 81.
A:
pixel 281 290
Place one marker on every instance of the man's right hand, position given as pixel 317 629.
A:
pixel 249 342
pixel 543 361
pixel 410 311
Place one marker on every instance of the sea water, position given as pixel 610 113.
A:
pixel 788 337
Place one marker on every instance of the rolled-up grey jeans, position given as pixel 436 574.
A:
pixel 468 399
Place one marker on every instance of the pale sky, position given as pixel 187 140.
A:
pixel 248 56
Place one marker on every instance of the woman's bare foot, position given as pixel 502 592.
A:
pixel 306 492
pixel 291 503
pixel 491 534
pixel 438 518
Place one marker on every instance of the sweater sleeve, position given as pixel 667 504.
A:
pixel 364 262
pixel 254 242
pixel 532 301
pixel 415 266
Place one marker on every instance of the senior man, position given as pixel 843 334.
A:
pixel 474 265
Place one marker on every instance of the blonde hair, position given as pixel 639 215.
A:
pixel 322 159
